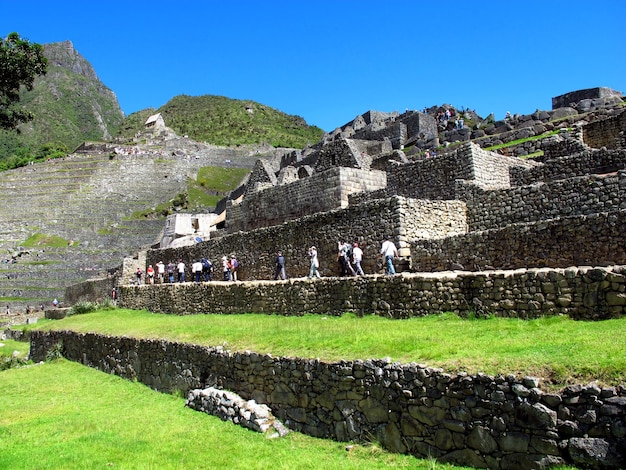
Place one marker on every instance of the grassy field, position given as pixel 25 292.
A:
pixel 64 415
pixel 556 349
pixel 61 415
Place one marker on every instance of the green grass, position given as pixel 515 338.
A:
pixel 556 349
pixel 42 240
pixel 62 415
pixel 8 346
pixel 521 141
pixel 221 179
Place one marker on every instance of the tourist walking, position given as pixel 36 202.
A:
pixel 138 274
pixel 196 269
pixel 234 267
pixel 315 264
pixel 160 272
pixel 389 251
pixel 226 268
pixel 181 270
pixel 170 272
pixel 150 275
pixel 280 266
pixel 357 257
pixel 343 256
pixel 207 270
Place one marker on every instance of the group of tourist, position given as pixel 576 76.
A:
pixel 201 270
pixel 349 257
pixel 29 310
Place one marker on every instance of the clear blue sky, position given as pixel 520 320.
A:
pixel 331 60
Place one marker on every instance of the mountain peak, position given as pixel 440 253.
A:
pixel 62 54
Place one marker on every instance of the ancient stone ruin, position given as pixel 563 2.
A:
pixel 479 231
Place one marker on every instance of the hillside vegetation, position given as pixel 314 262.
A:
pixel 223 121
pixel 70 106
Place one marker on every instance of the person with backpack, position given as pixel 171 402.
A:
pixel 234 267
pixel 280 266
pixel 207 270
pixel 343 256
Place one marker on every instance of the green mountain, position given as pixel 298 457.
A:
pixel 70 104
pixel 223 121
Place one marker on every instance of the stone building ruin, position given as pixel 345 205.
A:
pixel 465 207
pixel 478 231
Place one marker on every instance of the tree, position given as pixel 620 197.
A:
pixel 20 63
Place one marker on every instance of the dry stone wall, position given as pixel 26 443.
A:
pixel 581 293
pixel 319 192
pixel 366 223
pixel 585 195
pixel 437 178
pixel 584 240
pixel 571 165
pixel 499 422
pixel 607 133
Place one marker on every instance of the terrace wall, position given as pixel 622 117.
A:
pixel 319 192
pixel 584 240
pixel 367 223
pixel 437 178
pixel 501 422
pixel 581 293
pixel 585 195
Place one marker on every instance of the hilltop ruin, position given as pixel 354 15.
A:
pixel 480 232
pixel 445 205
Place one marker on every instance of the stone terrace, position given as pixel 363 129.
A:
pixel 87 199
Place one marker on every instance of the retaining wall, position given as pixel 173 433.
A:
pixel 584 195
pixel 366 223
pixel 435 178
pixel 501 422
pixel 585 240
pixel 583 293
pixel 571 165
pixel 319 192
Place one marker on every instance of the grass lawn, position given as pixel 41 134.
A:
pixel 62 415
pixel 556 349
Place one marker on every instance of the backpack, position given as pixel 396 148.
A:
pixel 235 264
pixel 206 265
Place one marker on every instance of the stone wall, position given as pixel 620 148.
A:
pixel 319 192
pixel 542 201
pixel 607 133
pixel 501 422
pixel 91 290
pixel 436 178
pixel 584 240
pixel 367 223
pixel 582 293
pixel 568 99
pixel 571 165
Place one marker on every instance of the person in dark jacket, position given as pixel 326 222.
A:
pixel 280 266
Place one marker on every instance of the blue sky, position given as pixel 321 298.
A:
pixel 329 61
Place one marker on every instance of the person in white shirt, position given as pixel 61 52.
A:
pixel 181 271
pixel 160 272
pixel 357 257
pixel 389 252
pixel 315 264
pixel 196 269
